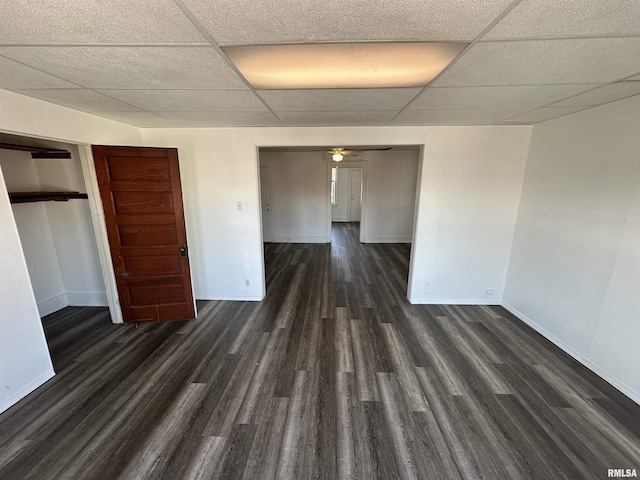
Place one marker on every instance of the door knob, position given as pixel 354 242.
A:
pixel 183 250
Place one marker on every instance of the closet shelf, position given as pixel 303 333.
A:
pixel 25 197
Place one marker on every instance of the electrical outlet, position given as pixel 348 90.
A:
pixel 428 285
pixel 247 282
pixel 489 291
pixel 239 205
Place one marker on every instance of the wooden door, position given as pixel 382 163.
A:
pixel 142 199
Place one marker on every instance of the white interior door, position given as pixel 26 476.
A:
pixel 265 200
pixel 355 206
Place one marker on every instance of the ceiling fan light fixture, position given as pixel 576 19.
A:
pixel 337 157
pixel 342 65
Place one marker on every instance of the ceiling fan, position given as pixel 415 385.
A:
pixel 338 153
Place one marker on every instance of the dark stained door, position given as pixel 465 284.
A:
pixel 142 200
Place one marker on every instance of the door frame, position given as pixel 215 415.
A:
pixel 263 217
pixel 100 230
pixel 363 208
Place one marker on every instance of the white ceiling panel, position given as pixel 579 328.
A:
pixel 341 118
pixel 336 100
pixel 14 75
pixel 107 56
pixel 494 97
pixel 190 100
pixel 82 99
pixel 95 22
pixel 542 114
pixel 140 119
pixel 222 119
pixel 593 60
pixel 251 22
pixel 131 67
pixel 599 96
pixel 569 18
pixel 454 117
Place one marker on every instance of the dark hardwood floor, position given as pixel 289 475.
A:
pixel 333 376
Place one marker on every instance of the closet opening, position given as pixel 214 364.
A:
pixel 47 189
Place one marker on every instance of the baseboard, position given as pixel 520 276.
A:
pixel 301 239
pixel 454 301
pixel 87 299
pixel 608 377
pixel 75 299
pixel 340 219
pixel 26 390
pixel 232 298
pixel 387 239
pixel 52 304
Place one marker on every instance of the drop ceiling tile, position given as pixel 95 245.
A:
pixel 95 22
pixel 602 95
pixel 336 119
pixel 454 117
pixel 336 100
pixel 593 60
pixel 543 114
pixel 80 99
pixel 14 75
pixel 569 18
pixel 493 97
pixel 140 119
pixel 251 22
pixel 222 119
pixel 190 100
pixel 131 67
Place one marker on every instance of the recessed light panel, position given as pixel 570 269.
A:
pixel 342 65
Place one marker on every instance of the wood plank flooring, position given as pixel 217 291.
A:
pixel 333 376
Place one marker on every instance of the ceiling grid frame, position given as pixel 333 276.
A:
pixel 169 68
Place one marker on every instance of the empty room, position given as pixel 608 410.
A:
pixel 319 239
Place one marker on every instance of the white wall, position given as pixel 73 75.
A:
pixel 467 204
pixel 390 195
pixel 24 358
pixel 299 196
pixel 575 263
pixel 469 191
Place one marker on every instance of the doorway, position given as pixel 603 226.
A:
pixel 346 194
pixel 373 194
